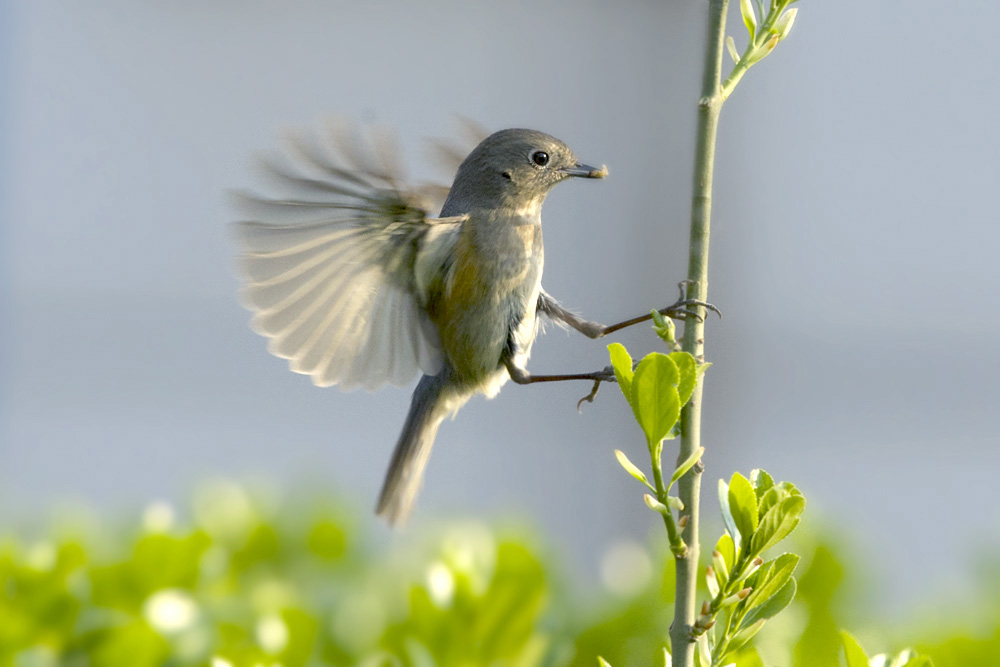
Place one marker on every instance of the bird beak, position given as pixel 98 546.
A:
pixel 585 171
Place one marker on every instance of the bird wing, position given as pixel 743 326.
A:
pixel 329 265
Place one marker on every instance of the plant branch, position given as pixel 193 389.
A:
pixel 762 41
pixel 689 486
pixel 677 546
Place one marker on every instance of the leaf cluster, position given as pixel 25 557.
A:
pixel 239 586
pixel 656 390
pixel 855 656
pixel 746 590
pixel 302 584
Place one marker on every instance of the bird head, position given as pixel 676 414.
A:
pixel 514 169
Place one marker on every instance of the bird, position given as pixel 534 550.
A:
pixel 357 282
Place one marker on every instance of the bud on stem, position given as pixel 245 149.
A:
pixel 720 566
pixel 783 25
pixel 736 597
pixel 711 582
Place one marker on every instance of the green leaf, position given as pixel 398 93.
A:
pixel 749 18
pixel 779 521
pixel 743 505
pixel 687 367
pixel 655 505
pixel 771 497
pixel 654 396
pixel 773 605
pixel 743 636
pixel 853 652
pixel 632 469
pixel 770 578
pixel 783 25
pixel 903 658
pixel 775 495
pixel 134 643
pixel 687 465
pixel 419 655
pixel 621 361
pixel 302 631
pixel 703 651
pixel 761 481
pixel 327 539
pixel 726 547
pixel 731 47
pixel 727 515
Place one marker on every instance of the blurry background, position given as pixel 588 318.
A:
pixel 854 256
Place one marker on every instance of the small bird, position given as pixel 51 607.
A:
pixel 356 283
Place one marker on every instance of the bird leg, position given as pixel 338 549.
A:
pixel 555 311
pixel 552 308
pixel 522 376
pixel 678 310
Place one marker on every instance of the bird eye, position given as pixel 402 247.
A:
pixel 541 158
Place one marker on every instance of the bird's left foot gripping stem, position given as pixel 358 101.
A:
pixel 679 310
pixel 522 376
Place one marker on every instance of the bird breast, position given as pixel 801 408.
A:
pixel 491 294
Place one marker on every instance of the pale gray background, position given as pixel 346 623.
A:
pixel 854 254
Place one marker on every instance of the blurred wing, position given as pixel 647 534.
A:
pixel 329 268
pixel 449 154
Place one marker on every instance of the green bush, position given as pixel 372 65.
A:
pixel 245 583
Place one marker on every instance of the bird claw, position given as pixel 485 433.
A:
pixel 606 375
pixel 693 302
pixel 680 310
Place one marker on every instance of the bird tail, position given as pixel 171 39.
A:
pixel 433 400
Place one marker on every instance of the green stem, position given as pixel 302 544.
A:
pixel 689 486
pixel 734 77
pixel 677 546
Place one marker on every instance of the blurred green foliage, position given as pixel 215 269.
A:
pixel 247 581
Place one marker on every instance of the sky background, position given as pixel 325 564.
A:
pixel 854 253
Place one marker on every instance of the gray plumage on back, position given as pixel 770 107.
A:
pixel 356 284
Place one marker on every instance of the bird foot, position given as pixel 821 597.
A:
pixel 681 309
pixel 606 375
